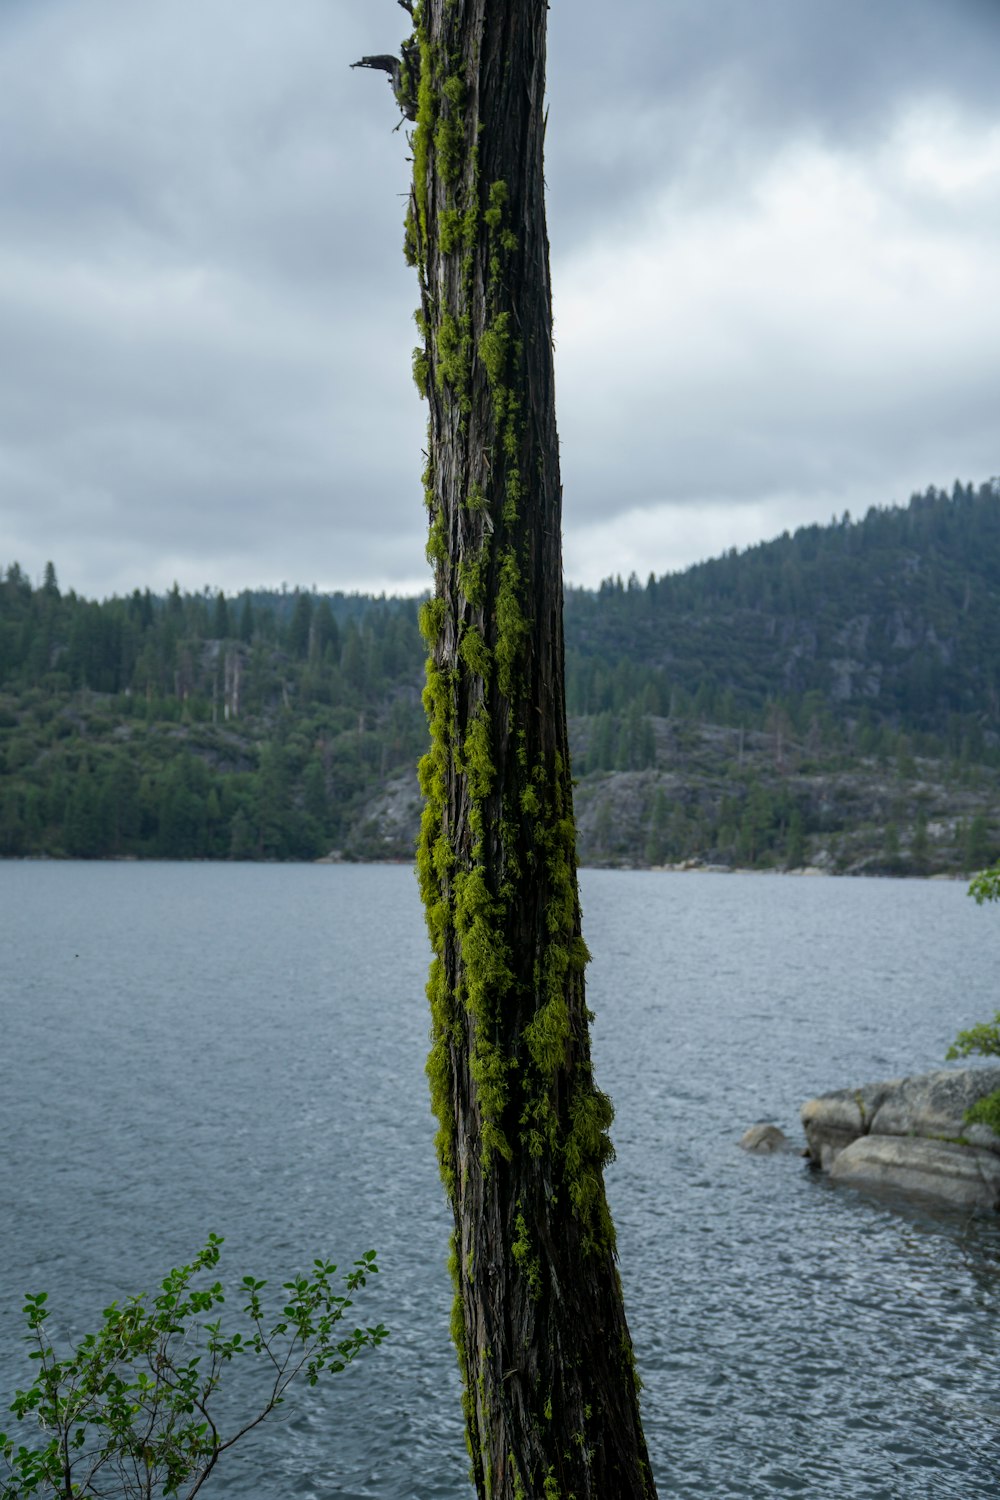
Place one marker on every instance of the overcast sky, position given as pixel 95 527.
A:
pixel 775 246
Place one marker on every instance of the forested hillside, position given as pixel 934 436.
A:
pixel 892 622
pixel 831 696
pixel 196 726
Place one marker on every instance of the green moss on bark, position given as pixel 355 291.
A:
pixel 508 1049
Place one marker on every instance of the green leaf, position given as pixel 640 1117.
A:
pixel 124 1400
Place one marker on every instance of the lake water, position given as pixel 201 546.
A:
pixel 239 1048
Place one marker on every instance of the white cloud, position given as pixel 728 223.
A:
pixel 773 272
pixel 833 330
pixel 950 156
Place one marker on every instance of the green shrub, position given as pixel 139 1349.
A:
pixel 130 1412
pixel 985 1112
pixel 983 1039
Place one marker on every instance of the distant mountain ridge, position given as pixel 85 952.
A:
pixel 715 713
pixel 895 617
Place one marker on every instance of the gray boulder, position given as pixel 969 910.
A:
pixel 764 1139
pixel 834 1120
pixel 910 1133
pixel 931 1105
pixel 934 1104
pixel 964 1176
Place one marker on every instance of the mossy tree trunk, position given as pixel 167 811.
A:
pixel 550 1386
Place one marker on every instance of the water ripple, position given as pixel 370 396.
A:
pixel 241 1049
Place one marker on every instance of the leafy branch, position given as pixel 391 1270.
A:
pixel 986 885
pixel 984 1037
pixel 129 1411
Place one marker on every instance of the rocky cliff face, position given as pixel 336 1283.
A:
pixel 719 797
pixel 725 803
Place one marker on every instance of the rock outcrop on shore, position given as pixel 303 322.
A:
pixel 910 1134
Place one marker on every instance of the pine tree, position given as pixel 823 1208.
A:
pixel 221 628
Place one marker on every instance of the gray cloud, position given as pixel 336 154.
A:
pixel 693 93
pixel 724 352
pixel 205 315
pixel 202 304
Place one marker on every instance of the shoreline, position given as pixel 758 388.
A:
pixel 685 867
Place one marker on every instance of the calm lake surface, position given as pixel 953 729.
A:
pixel 240 1048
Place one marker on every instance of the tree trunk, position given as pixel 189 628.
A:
pixel 550 1384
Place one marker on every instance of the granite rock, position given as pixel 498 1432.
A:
pixel 931 1105
pixel 964 1176
pixel 765 1139
pixel 910 1134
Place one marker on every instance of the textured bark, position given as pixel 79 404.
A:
pixel 550 1387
